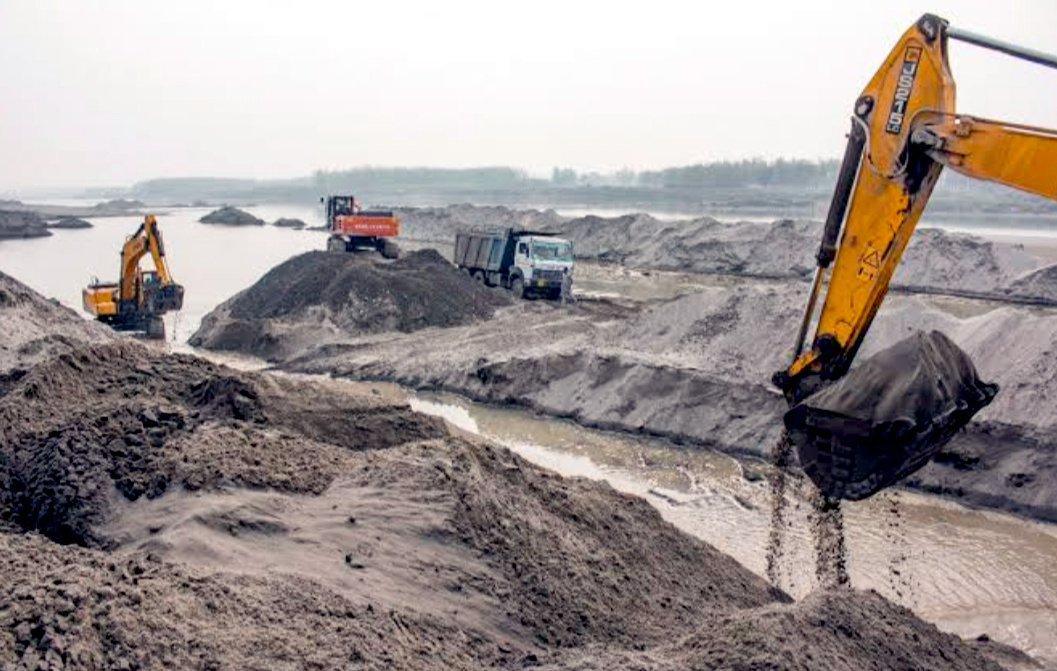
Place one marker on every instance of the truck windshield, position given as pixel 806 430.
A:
pixel 552 251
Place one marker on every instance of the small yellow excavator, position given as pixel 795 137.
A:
pixel 140 298
pixel 860 431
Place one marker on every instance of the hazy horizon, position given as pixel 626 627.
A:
pixel 112 93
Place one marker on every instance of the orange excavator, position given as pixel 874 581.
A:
pixel 859 430
pixel 352 228
pixel 140 298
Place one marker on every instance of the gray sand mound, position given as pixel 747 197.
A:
pixel 76 427
pixel 839 630
pixel 77 608
pixel 431 551
pixel 70 223
pixel 349 294
pixel 439 224
pixel 1037 284
pixel 33 329
pixel 22 224
pixel 587 563
pixel 82 609
pixel 231 216
pixel 935 261
pixel 697 370
pixel 564 562
pixel 287 222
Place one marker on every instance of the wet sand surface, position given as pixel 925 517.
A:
pixel 969 572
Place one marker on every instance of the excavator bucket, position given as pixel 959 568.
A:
pixel 164 298
pixel 886 418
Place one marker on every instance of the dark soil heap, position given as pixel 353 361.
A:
pixel 287 222
pixel 21 224
pixel 355 293
pixel 70 222
pixel 231 216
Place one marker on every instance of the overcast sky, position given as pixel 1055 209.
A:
pixel 108 92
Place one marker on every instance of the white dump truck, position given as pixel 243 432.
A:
pixel 529 263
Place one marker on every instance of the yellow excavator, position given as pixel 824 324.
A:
pixel 860 431
pixel 140 298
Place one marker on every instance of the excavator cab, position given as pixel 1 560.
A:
pixel 859 430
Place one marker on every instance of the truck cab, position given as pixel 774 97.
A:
pixel 543 264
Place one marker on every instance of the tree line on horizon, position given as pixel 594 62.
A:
pixel 723 174
pixel 392 182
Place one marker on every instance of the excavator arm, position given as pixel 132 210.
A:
pixel 146 240
pixel 905 130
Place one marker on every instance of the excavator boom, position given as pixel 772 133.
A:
pixel 905 130
pixel 146 240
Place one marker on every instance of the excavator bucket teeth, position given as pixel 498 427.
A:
pixel 888 417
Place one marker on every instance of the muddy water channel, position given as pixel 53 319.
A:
pixel 968 572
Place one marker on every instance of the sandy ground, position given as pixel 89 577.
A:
pixel 695 369
pixel 934 261
pixel 161 511
pixel 1042 247
pixel 34 329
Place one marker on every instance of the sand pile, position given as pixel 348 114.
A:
pixel 528 591
pixel 242 520
pixel 697 370
pixel 560 563
pixel 76 427
pixel 840 630
pixel 70 223
pixel 231 216
pixel 439 224
pixel 83 609
pixel 33 329
pixel 935 261
pixel 289 222
pixel 320 295
pixel 1037 284
pixel 22 224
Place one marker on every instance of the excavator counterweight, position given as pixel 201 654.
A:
pixel 858 434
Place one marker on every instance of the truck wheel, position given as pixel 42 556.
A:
pixel 517 287
pixel 479 277
pixel 389 249
pixel 335 244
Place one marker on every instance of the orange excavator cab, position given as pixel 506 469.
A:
pixel 353 228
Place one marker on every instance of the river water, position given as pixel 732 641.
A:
pixel 969 572
pixel 212 262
